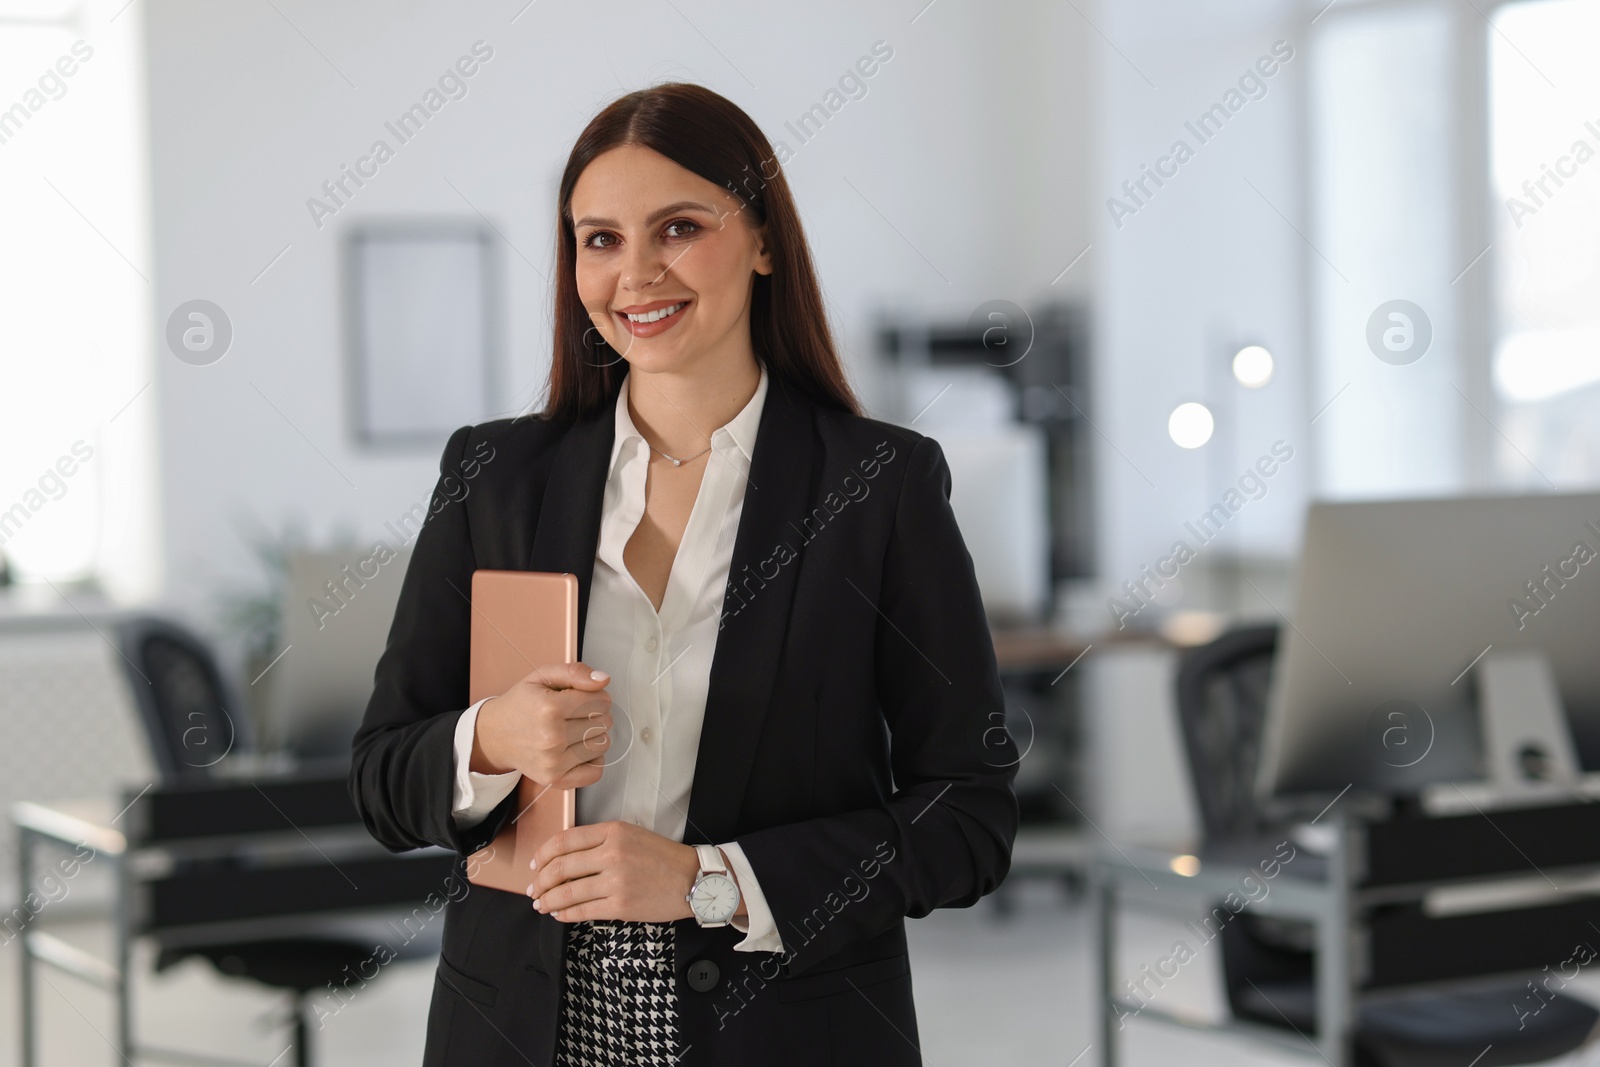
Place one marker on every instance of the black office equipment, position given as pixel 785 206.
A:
pixel 191 716
pixel 269 877
pixel 1222 699
pixel 1043 354
pixel 1365 905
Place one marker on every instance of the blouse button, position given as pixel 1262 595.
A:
pixel 650 645
pixel 644 735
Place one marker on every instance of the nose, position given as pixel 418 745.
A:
pixel 643 267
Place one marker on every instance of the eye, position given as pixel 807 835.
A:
pixel 589 241
pixel 675 223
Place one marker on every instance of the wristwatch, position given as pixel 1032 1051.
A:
pixel 714 897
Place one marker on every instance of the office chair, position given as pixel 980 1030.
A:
pixel 1222 691
pixel 190 715
pixel 193 722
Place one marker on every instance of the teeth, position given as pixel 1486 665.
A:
pixel 658 314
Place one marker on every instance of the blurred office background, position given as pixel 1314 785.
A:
pixel 1125 259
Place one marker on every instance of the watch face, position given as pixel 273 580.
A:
pixel 715 898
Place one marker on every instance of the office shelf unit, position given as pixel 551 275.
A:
pixel 1044 357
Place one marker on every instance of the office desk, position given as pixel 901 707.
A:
pixel 1022 648
pixel 1041 673
pixel 222 860
pixel 1406 902
pixel 1174 879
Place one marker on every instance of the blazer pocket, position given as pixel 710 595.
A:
pixel 841 979
pixel 465 985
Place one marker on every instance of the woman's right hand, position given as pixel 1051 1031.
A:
pixel 554 726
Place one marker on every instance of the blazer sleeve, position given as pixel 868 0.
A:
pixel 943 838
pixel 402 771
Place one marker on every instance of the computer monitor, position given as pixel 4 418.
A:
pixel 1400 608
pixel 336 613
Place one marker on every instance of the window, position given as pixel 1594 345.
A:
pixel 76 394
pixel 1544 138
pixel 1382 226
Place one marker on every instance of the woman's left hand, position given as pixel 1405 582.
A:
pixel 614 870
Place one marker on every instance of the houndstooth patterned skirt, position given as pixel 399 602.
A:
pixel 621 1006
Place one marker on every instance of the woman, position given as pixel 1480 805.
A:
pixel 786 732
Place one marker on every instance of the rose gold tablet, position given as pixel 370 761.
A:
pixel 521 620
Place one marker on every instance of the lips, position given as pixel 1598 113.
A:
pixel 657 317
pixel 656 314
pixel 654 305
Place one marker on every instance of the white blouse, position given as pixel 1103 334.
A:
pixel 660 663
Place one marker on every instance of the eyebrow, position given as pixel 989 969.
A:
pixel 655 216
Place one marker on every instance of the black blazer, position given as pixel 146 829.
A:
pixel 853 743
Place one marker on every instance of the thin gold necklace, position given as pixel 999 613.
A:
pixel 676 462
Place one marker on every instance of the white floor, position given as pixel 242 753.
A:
pixel 989 991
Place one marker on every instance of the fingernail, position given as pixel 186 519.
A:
pixel 536 904
pixel 533 865
pixel 599 676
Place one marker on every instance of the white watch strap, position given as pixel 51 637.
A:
pixel 711 859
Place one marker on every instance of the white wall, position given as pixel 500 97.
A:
pixel 972 142
pixel 1212 259
pixel 1136 773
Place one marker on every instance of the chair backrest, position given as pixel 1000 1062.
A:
pixel 1222 703
pixel 188 710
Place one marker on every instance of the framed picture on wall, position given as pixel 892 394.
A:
pixel 421 303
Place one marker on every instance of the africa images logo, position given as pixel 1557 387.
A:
pixel 1399 332
pixel 199 332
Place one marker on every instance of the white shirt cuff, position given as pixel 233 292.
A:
pixel 476 795
pixel 759 928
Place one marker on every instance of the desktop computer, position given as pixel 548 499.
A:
pixel 1436 642
pixel 336 612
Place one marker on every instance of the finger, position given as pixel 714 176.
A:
pixel 567 771
pixel 588 911
pixel 570 867
pixel 586 739
pixel 568 676
pixel 583 742
pixel 569 897
pixel 594 755
pixel 597 719
pixel 572 840
pixel 581 704
pixel 583 753
pixel 582 775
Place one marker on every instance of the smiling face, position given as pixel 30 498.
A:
pixel 659 242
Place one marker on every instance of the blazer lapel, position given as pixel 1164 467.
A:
pixel 744 667
pixel 568 528
pixel 566 533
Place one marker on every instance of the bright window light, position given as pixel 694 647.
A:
pixel 1535 365
pixel 76 408
pixel 1545 173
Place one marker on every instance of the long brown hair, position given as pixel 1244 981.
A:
pixel 711 136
